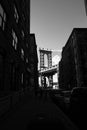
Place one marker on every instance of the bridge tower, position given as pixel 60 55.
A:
pixel 47 52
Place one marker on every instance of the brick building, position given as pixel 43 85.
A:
pixel 14 42
pixel 73 64
pixel 18 54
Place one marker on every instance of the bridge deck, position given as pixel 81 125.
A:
pixel 47 71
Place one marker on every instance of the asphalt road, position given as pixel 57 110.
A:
pixel 37 112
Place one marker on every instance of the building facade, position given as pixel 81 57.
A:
pixel 33 63
pixel 73 64
pixel 14 42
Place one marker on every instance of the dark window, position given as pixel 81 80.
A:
pixel 22 54
pixel 26 60
pixel 23 16
pixel 27 45
pixel 22 77
pixel 16 16
pixel 15 40
pixel 22 32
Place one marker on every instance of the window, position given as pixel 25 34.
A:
pixel 1 64
pixel 22 76
pixel 16 16
pixel 15 40
pixel 22 54
pixel 26 60
pixel 22 32
pixel 23 16
pixel 1 71
pixel 2 17
pixel 27 45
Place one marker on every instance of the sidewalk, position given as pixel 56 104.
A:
pixel 37 113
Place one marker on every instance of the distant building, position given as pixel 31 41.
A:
pixel 73 64
pixel 33 63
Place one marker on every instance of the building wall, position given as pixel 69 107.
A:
pixel 72 72
pixel 18 55
pixel 14 42
pixel 33 62
pixel 81 57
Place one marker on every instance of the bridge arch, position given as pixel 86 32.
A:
pixel 45 54
pixel 46 62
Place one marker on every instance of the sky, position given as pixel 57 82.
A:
pixel 52 21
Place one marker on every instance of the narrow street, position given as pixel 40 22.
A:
pixel 37 112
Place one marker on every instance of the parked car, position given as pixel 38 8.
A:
pixel 78 106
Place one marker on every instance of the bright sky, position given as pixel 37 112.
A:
pixel 52 21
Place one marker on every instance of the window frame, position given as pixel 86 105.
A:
pixel 22 53
pixel 14 40
pixel 16 15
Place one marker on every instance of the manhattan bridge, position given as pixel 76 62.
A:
pixel 47 70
